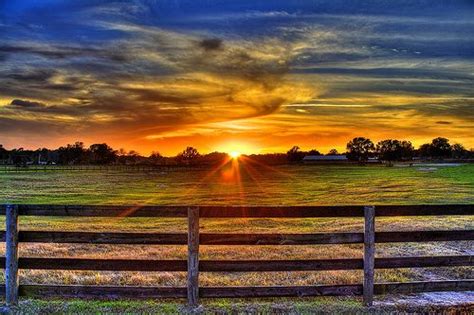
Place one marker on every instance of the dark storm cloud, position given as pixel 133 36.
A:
pixel 63 52
pixel 18 126
pixel 31 76
pixel 154 96
pixel 400 86
pixel 211 43
pixel 459 109
pixel 388 72
pixel 26 104
pixel 50 52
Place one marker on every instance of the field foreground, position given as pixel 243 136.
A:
pixel 301 185
pixel 415 304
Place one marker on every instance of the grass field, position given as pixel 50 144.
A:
pixel 289 185
pixel 246 184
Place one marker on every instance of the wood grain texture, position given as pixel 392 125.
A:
pixel 424 286
pixel 11 256
pixel 116 292
pixel 193 257
pixel 240 211
pixel 369 254
pixel 104 237
pixel 238 265
pixel 101 292
pixel 237 238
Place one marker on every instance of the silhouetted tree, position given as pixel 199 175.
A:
pixel 424 150
pixel 42 156
pixel 389 150
pixel 438 148
pixel 72 154
pixel 101 153
pixel 3 153
pixel 156 158
pixel 394 150
pixel 333 152
pixel 360 149
pixel 129 158
pixel 121 156
pixel 214 158
pixel 189 156
pixel 408 151
pixel 19 157
pixel 313 152
pixel 133 157
pixel 458 151
pixel 295 154
pixel 268 158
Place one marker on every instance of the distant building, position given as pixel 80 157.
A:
pixel 339 158
pixel 373 160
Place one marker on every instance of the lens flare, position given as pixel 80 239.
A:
pixel 234 154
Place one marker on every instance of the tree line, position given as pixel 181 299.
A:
pixel 359 149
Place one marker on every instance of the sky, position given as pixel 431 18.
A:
pixel 252 76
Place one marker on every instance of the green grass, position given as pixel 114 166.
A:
pixel 289 185
pixel 320 305
pixel 284 185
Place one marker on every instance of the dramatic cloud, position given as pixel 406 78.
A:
pixel 154 75
pixel 211 43
pixel 26 104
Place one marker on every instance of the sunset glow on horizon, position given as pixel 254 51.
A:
pixel 234 154
pixel 242 79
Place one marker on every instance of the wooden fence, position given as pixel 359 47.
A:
pixel 193 266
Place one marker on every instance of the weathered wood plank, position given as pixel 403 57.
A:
pixel 103 238
pixel 279 265
pixel 101 292
pixel 369 254
pixel 281 291
pixel 426 261
pixel 238 239
pixel 423 210
pixel 424 236
pixel 111 292
pixel 101 211
pixel 193 257
pixel 181 265
pixel 115 292
pixel 424 286
pixel 280 211
pixel 240 211
pixel 181 211
pixel 280 239
pixel 238 265
pixel 11 256
pixel 102 264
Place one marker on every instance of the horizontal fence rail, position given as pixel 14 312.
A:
pixel 193 239
pixel 115 292
pixel 238 239
pixel 240 211
pixel 238 265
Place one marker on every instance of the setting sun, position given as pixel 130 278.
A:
pixel 234 154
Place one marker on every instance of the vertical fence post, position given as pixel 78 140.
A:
pixel 369 254
pixel 193 256
pixel 11 256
